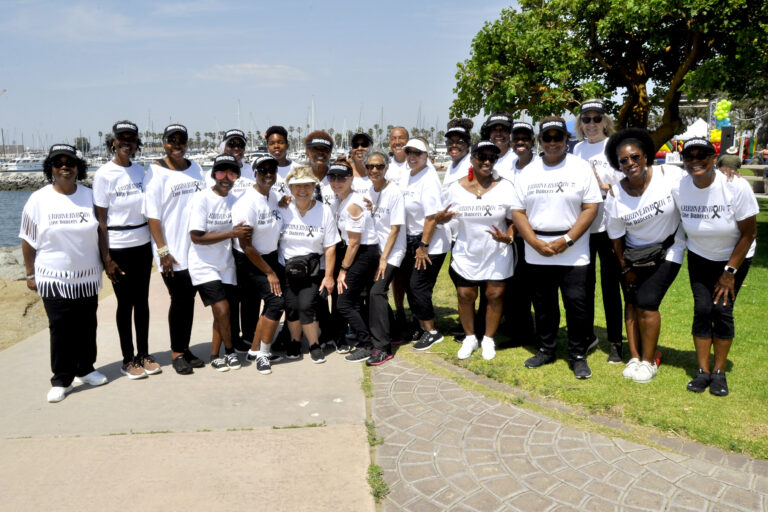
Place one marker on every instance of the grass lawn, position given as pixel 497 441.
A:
pixel 738 422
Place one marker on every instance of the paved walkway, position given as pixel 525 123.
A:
pixel 446 448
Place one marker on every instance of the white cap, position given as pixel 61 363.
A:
pixel 417 144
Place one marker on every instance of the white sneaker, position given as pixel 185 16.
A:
pixel 631 367
pixel 94 379
pixel 58 393
pixel 489 348
pixel 468 346
pixel 645 372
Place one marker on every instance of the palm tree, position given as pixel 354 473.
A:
pixel 292 141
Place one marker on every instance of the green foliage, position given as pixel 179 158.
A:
pixel 376 481
pixel 82 144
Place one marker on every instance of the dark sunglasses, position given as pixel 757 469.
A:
pixel 221 174
pixel 416 152
pixel 635 158
pixel 63 162
pixel 703 155
pixel 371 167
pixel 490 157
pixel 361 144
pixel 337 177
pixel 176 140
pixel 550 138
pixel 267 169
pixel 595 119
pixel 460 143
pixel 127 138
pixel 236 144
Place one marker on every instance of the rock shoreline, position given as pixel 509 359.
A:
pixel 12 264
pixel 11 180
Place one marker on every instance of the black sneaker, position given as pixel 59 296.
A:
pixel 700 382
pixel 540 359
pixel 614 357
pixel 293 350
pixel 181 365
pixel 263 365
pixel 580 368
pixel 360 354
pixel 241 346
pixel 592 344
pixel 273 358
pixel 378 357
pixel 316 353
pixel 718 386
pixel 415 335
pixel 193 360
pixel 343 347
pixel 427 339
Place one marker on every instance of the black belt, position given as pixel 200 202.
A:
pixel 550 233
pixel 125 228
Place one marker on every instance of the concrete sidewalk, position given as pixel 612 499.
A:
pixel 207 441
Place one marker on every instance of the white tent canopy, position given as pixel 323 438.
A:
pixel 698 128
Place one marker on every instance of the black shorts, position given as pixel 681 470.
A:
pixel 215 291
pixel 462 282
pixel 652 284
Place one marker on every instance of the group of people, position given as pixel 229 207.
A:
pixel 320 244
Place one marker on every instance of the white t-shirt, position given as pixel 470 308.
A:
pixel 167 198
pixel 594 153
pixel 211 213
pixel 388 211
pixel 281 187
pixel 263 215
pixel 456 172
pixel 552 199
pixel 423 197
pixel 505 165
pixel 476 255
pixel 364 225
pixel 710 215
pixel 243 183
pixel 361 184
pixel 64 233
pixel 649 218
pixel 121 190
pixel 396 170
pixel 312 233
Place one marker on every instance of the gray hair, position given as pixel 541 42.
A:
pixel 384 157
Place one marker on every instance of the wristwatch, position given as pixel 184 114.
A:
pixel 730 269
pixel 422 244
pixel 568 240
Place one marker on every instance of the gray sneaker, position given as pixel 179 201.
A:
pixel 219 364
pixel 232 361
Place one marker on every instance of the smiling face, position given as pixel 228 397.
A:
pixel 522 142
pixel 319 155
pixel 266 175
pixel 632 162
pixel 302 192
pixel 341 185
pixel 398 137
pixel 225 179
pixel 417 160
pixel 499 135
pixel 482 163
pixel 699 162
pixel 592 125
pixel 125 145
pixel 553 143
pixel 64 170
pixel 457 147
pixel 175 146
pixel 374 174
pixel 235 147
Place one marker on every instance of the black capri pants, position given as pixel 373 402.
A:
pixel 132 294
pixel 301 299
pixel 72 325
pixel 182 309
pixel 419 284
pixel 651 284
pixel 254 287
pixel 359 279
pixel 712 320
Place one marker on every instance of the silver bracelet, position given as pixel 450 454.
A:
pixel 163 251
pixel 31 276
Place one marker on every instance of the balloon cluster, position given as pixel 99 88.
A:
pixel 722 119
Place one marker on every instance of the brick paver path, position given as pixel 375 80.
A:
pixel 446 448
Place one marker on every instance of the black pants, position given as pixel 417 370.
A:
pixel 546 280
pixel 380 316
pixel 182 310
pixel 359 279
pixel 419 284
pixel 301 299
pixel 332 325
pixel 132 294
pixel 518 299
pixel 610 284
pixel 710 319
pixel 72 325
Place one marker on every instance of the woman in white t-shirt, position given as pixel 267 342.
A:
pixel 360 147
pixel 457 142
pixel 258 270
pixel 497 128
pixel 61 242
pixel 169 186
pixel 555 201
pixel 307 250
pixel 482 256
pixel 118 197
pixel 211 264
pixel 720 221
pixel 593 127
pixel 640 217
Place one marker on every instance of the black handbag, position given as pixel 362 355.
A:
pixel 303 267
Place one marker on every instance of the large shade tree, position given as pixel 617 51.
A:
pixel 548 56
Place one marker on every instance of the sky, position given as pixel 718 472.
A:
pixel 74 68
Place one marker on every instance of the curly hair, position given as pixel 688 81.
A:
pixel 82 168
pixel 462 122
pixel 637 137
pixel 109 138
pixel 277 129
pixel 318 134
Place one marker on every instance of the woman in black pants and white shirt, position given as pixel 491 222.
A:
pixel 118 198
pixel 170 185
pixel 555 201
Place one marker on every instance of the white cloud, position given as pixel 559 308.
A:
pixel 266 75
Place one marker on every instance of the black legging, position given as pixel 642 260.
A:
pixel 182 310
pixel 358 279
pixel 132 293
pixel 610 284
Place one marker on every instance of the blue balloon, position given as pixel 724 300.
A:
pixel 727 121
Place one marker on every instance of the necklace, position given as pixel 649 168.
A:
pixel 305 210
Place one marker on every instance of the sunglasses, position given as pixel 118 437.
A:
pixel 550 138
pixel 63 162
pixel 490 157
pixel 371 167
pixel 267 169
pixel 127 138
pixel 594 119
pixel 635 158
pixel 460 143
pixel 230 175
pixel 415 152
pixel 361 144
pixel 703 155
pixel 236 144
pixel 176 140
pixel 336 177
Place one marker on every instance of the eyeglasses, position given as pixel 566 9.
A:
pixel 490 157
pixel 231 175
pixel 267 169
pixel 635 158
pixel 63 162
pixel 594 119
pixel 415 152
pixel 550 138
pixel 361 144
pixel 460 143
pixel 371 167
pixel 236 144
pixel 337 177
pixel 703 155
pixel 177 140
pixel 131 139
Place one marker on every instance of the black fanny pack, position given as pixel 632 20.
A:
pixel 412 243
pixel 648 255
pixel 303 267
